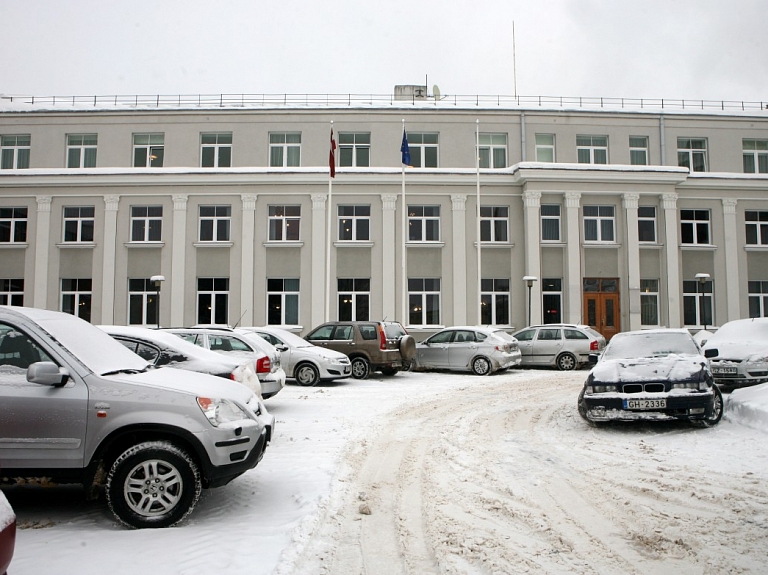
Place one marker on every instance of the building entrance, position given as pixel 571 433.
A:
pixel 601 305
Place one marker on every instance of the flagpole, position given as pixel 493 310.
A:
pixel 403 267
pixel 329 232
pixel 478 227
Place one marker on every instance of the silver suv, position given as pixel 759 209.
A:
pixel 76 406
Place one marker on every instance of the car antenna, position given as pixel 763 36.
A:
pixel 239 320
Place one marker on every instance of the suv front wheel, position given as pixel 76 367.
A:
pixel 153 484
pixel 361 369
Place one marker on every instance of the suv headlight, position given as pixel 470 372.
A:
pixel 221 411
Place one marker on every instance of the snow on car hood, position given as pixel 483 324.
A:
pixel 667 368
pixel 741 349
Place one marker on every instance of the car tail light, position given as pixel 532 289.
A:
pixel 593 346
pixel 232 377
pixel 382 338
pixel 263 365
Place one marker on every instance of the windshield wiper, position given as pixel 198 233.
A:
pixel 126 370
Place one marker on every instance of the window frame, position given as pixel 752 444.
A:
pixel 649 301
pixel 151 224
pixel 153 148
pixel 218 292
pixel 82 149
pixel 358 305
pixel 80 290
pixel 144 295
pixel 593 149
pixel 419 148
pixel 425 294
pixel 221 141
pixel 757 293
pixel 284 299
pixel 81 227
pixel 220 223
pixel 600 220
pixel 354 153
pixel 758 237
pixel 290 151
pixel 651 224
pixel 554 218
pixel 694 226
pixel 18 160
pixel 14 219
pixel 12 291
pixel 427 223
pixel 636 148
pixel 279 222
pixel 355 221
pixel 542 147
pixel 704 301
pixel 494 224
pixel 687 154
pixel 489 146
pixel 552 290
pixel 495 301
pixel 757 154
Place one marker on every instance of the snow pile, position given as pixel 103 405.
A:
pixel 749 406
pixel 6 513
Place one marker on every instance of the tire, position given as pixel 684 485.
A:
pixel 389 370
pixel 717 409
pixel 481 366
pixel 153 484
pixel 582 407
pixel 407 347
pixel 566 362
pixel 361 369
pixel 306 374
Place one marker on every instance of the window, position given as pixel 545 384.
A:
pixel 216 150
pixel 355 149
pixel 11 292
pixel 494 301
pixel 494 223
pixel 285 150
pixel 282 301
pixel 692 154
pixel 142 302
pixel 649 302
pixel 213 300
pixel 592 149
pixel 76 297
pixel 545 148
pixel 78 223
pixel 599 224
pixel 424 151
pixel 354 299
pixel 146 223
pixel 284 223
pixel 354 223
pixel 756 224
pixel 550 222
pixel 646 223
pixel 694 226
pixel 638 150
pixel 552 300
pixel 81 150
pixel 755 156
pixel 697 302
pixel 758 298
pixel 215 222
pixel 424 301
pixel 14 152
pixel 423 223
pixel 148 150
pixel 13 225
pixel 493 150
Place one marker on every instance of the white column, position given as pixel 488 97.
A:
pixel 42 245
pixel 109 253
pixel 388 249
pixel 178 260
pixel 671 242
pixel 633 258
pixel 319 240
pixel 532 222
pixel 573 301
pixel 247 261
pixel 459 254
pixel 732 291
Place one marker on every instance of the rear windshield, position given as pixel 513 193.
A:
pixel 394 330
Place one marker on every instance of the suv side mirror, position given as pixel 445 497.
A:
pixel 711 353
pixel 47 373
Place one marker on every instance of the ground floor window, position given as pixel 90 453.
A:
pixel 12 292
pixel 76 295
pixel 424 301
pixel 213 300
pixel 649 302
pixel 758 298
pixel 142 302
pixel 354 299
pixel 494 301
pixel 283 301
pixel 552 300
pixel 697 302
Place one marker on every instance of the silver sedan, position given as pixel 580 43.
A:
pixel 480 350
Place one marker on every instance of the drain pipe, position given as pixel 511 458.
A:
pixel 522 134
pixel 663 141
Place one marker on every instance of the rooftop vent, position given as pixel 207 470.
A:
pixel 410 92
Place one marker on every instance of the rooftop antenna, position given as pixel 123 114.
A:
pixel 514 59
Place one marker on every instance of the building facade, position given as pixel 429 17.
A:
pixel 627 218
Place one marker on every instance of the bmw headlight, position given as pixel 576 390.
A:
pixel 221 411
pixel 598 388
pixel 686 385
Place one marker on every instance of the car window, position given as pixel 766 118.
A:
pixel 526 335
pixel 441 337
pixel 227 343
pixel 368 331
pixel 549 334
pixel 483 336
pixel 19 350
pixel 575 334
pixel 147 352
pixel 322 333
pixel 343 332
pixel 191 338
pixel 269 337
pixel 394 330
pixel 463 336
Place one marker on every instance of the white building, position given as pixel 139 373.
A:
pixel 229 201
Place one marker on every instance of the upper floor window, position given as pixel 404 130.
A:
pixel 550 222
pixel 599 224
pixel 592 149
pixel 646 223
pixel 76 297
pixel 638 150
pixel 216 150
pixel 355 149
pixel 755 156
pixel 424 301
pixel 14 152
pixel 354 223
pixel 756 223
pixel 694 226
pixel 354 299
pixel 146 223
pixel 78 223
pixel 12 292
pixel 423 223
pixel 285 149
pixel 494 301
pixel 81 150
pixel 148 150
pixel 692 154
pixel 494 223
pixel 215 222
pixel 284 223
pixel 13 225
pixel 424 150
pixel 493 150
pixel 545 148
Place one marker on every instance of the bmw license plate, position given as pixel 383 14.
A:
pixel 645 403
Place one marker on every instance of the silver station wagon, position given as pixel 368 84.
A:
pixel 565 346
pixel 477 349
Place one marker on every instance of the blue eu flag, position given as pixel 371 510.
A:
pixel 405 150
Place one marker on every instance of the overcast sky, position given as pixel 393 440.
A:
pixel 692 49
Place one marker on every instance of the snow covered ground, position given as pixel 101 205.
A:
pixel 445 473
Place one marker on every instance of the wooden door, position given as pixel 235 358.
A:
pixel 601 308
